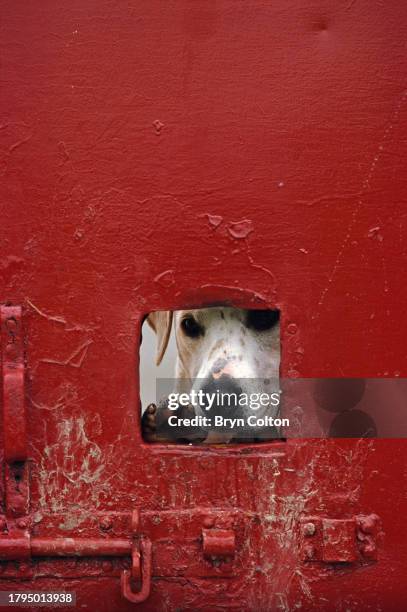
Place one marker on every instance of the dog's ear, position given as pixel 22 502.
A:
pixel 161 323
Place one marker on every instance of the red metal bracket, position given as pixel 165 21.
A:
pixel 340 540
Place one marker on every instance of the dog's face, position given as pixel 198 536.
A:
pixel 228 341
pixel 230 347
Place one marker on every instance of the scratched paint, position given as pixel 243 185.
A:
pixel 167 155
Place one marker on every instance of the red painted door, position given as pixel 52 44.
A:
pixel 161 155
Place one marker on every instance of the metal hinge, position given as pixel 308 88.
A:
pixel 339 540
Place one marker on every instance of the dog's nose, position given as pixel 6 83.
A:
pixel 222 395
pixel 218 366
pixel 223 367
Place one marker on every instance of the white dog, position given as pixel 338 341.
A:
pixel 222 348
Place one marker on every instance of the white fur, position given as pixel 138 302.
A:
pixel 249 354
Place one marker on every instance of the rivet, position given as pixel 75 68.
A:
pixel 292 328
pixel 106 523
pixel 208 522
pixel 309 529
pixel 367 524
pixel 22 523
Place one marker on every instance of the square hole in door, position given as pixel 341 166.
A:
pixel 210 375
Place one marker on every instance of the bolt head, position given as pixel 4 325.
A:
pixel 309 529
pixel 208 522
pixel 368 524
pixel 22 523
pixel 106 523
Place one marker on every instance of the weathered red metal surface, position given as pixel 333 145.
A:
pixel 157 155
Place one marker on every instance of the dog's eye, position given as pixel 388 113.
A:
pixel 191 327
pixel 261 320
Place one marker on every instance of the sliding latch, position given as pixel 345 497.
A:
pixel 17 543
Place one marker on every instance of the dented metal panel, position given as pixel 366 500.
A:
pixel 163 155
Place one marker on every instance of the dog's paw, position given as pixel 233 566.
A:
pixel 155 425
pixel 149 423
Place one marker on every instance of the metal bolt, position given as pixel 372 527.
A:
pixel 208 522
pixel 22 523
pixel 367 524
pixel 292 328
pixel 106 523
pixel 309 529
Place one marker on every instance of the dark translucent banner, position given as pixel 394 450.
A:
pixel 238 410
